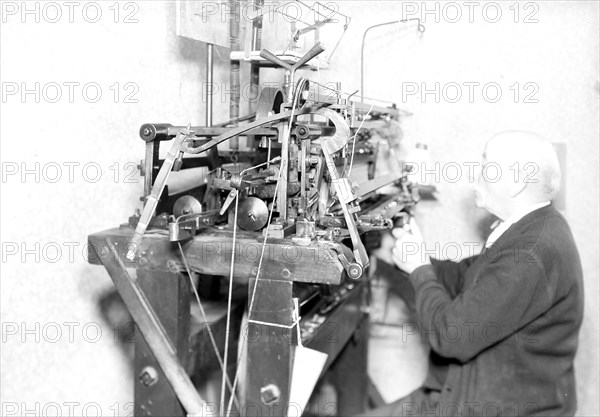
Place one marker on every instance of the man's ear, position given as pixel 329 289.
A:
pixel 517 188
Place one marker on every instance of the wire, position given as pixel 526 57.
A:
pixel 219 54
pixel 276 159
pixel 205 319
pixel 235 381
pixel 229 297
pixel 354 140
pixel 420 29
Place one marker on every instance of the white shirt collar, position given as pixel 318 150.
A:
pixel 502 226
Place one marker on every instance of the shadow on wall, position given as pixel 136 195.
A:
pixel 117 317
pixel 191 50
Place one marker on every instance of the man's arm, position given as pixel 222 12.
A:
pixel 452 274
pixel 409 253
pixel 510 293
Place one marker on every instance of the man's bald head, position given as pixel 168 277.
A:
pixel 529 157
pixel 528 173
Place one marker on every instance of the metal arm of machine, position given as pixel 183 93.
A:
pixel 342 186
pixel 242 129
pixel 174 154
pixel 152 330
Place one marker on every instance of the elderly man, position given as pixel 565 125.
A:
pixel 502 325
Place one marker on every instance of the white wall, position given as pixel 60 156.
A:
pixel 559 54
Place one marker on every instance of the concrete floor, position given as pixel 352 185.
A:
pixel 397 361
pixel 397 357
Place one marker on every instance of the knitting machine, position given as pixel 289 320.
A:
pixel 282 219
pixel 294 181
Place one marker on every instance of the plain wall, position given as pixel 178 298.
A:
pixel 60 291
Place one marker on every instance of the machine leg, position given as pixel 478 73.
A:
pixel 153 331
pixel 169 296
pixel 269 364
pixel 349 373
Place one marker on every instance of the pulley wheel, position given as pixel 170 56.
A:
pixel 253 214
pixel 186 205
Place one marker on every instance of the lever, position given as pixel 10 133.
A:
pixel 171 161
pixel 289 77
pixel 314 51
pixel 269 56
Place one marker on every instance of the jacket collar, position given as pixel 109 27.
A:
pixel 524 218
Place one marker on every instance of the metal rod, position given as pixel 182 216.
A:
pixel 209 84
pixel 151 147
pixel 245 128
pixel 234 65
pixel 255 68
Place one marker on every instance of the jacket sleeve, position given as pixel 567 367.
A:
pixel 509 292
pixel 452 274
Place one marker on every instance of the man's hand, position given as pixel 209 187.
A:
pixel 408 253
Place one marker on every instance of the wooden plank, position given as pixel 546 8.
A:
pixel 210 253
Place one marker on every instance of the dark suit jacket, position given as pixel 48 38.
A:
pixel 506 322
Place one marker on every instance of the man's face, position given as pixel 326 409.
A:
pixel 491 191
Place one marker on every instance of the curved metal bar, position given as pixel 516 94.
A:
pixel 342 186
pixel 342 131
pixel 242 129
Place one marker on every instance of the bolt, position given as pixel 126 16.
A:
pixel 147 131
pixel 354 271
pixel 148 376
pixel 172 266
pixel 270 394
